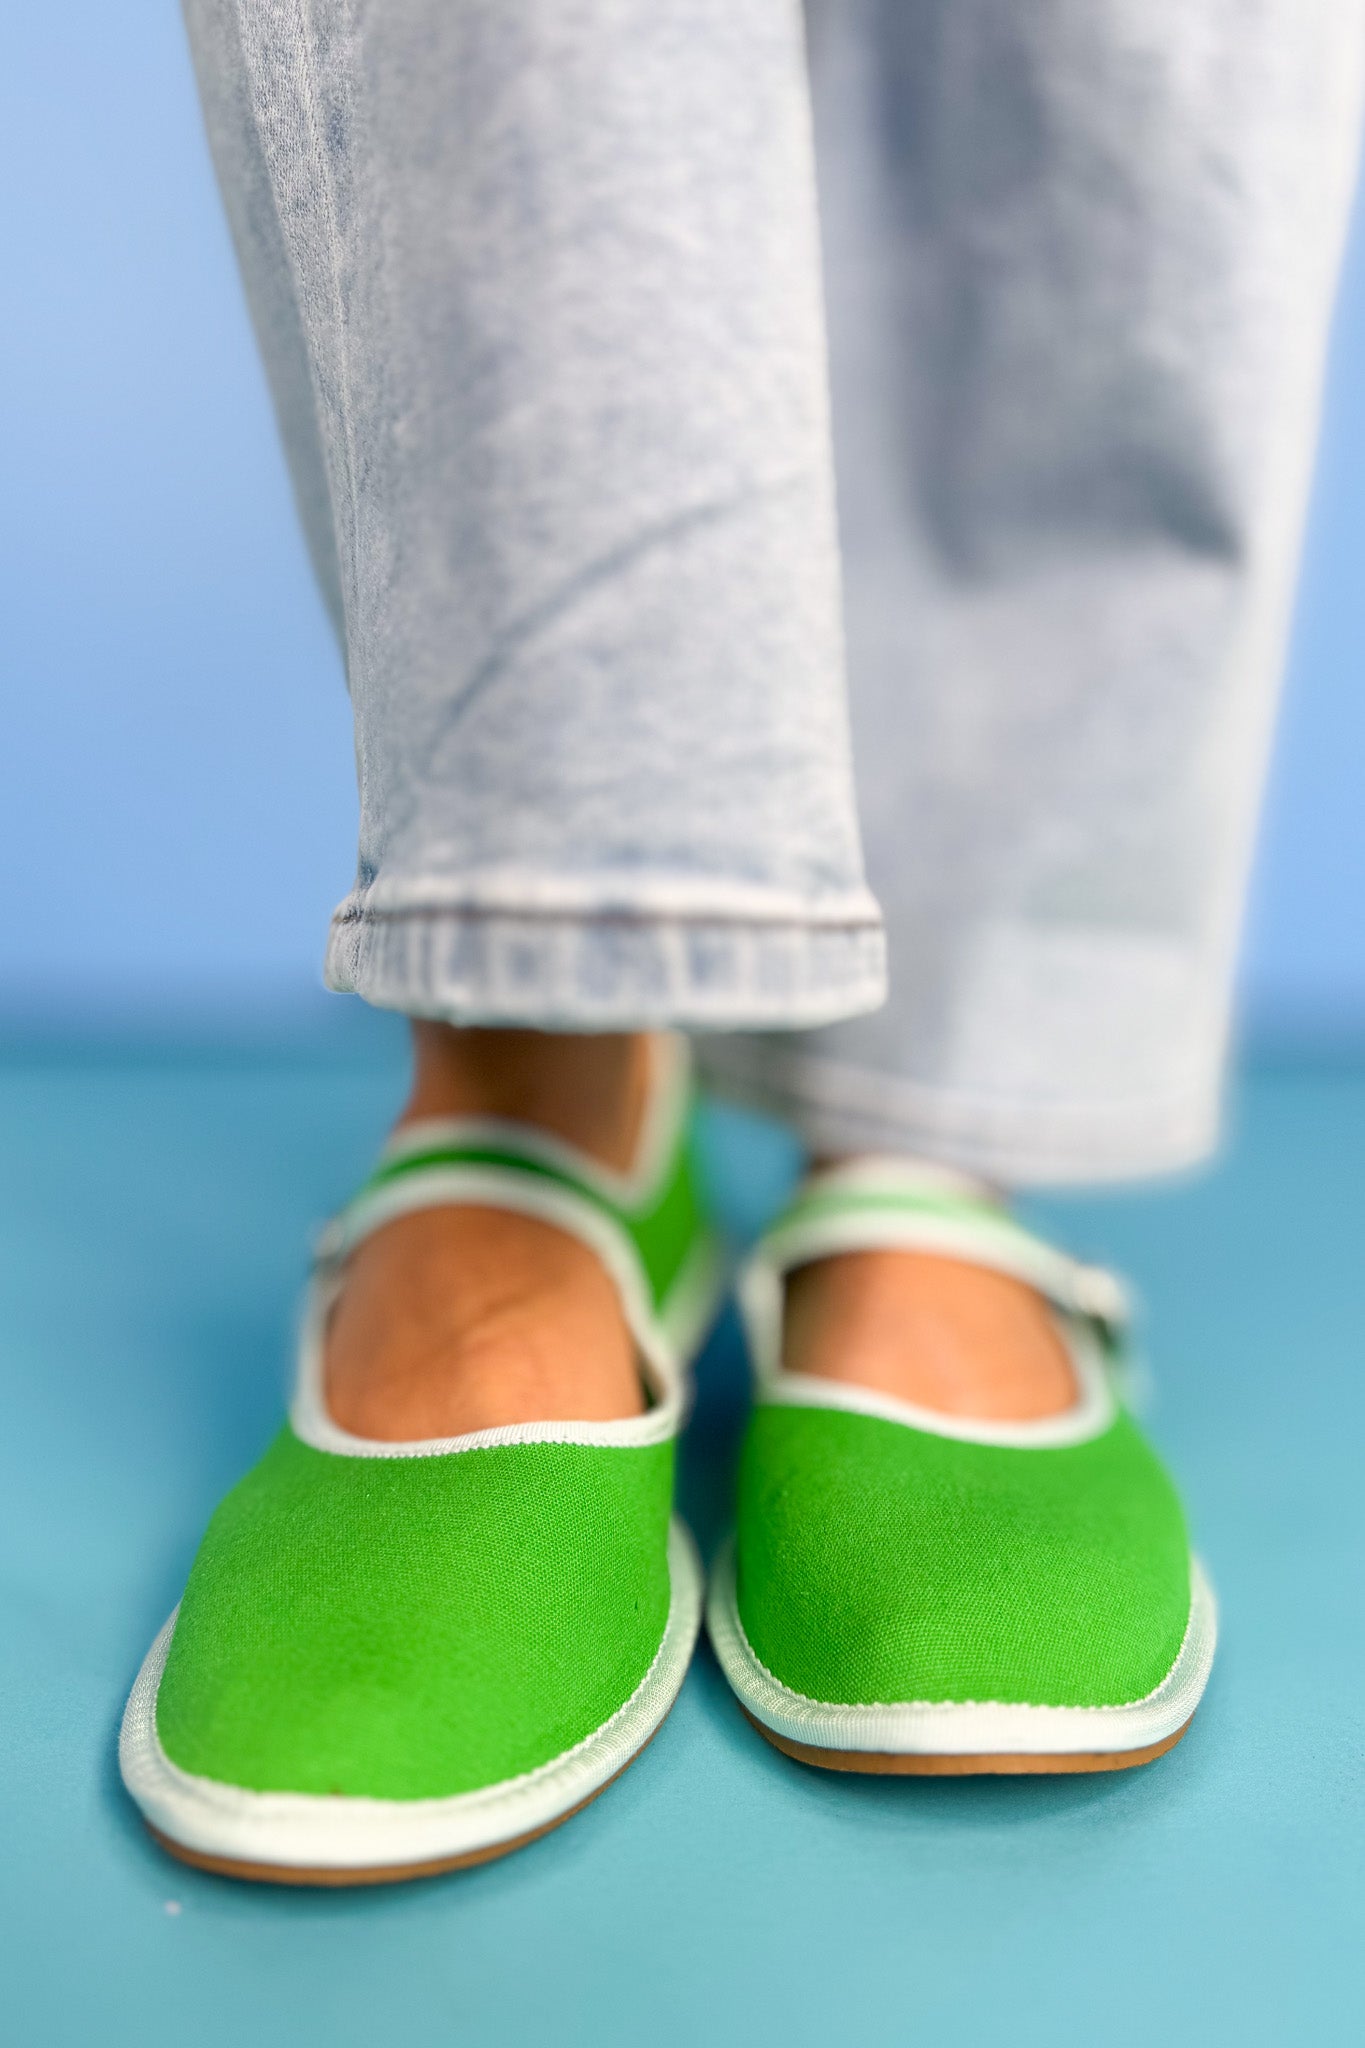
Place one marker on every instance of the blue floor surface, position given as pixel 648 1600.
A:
pixel 155 1211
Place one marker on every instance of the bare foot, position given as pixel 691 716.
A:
pixel 931 1330
pixel 455 1319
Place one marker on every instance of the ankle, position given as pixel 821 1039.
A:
pixel 588 1088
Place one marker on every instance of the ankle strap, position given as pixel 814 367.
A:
pixel 504 1164
pixel 649 1223
pixel 898 1204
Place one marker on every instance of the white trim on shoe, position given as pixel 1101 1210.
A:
pixel 908 1203
pixel 1082 1297
pixel 306 1831
pixel 548 1202
pixel 760 1294
pixel 664 1339
pixel 961 1727
pixel 273 1832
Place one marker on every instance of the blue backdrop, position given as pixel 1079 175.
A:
pixel 175 769
pixel 178 787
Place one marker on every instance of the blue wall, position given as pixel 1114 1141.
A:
pixel 177 781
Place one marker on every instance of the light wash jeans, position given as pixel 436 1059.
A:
pixel 542 297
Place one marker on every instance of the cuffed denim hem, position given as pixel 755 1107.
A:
pixel 839 1109
pixel 609 972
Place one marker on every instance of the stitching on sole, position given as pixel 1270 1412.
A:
pixel 946 1728
pixel 307 1831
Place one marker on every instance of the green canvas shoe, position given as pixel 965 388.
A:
pixel 397 1658
pixel 916 1592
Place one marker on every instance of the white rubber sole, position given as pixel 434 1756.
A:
pixel 282 1833
pixel 992 1733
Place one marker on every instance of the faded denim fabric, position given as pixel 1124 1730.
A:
pixel 1080 258
pixel 540 288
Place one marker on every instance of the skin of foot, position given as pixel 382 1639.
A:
pixel 456 1319
pixel 933 1331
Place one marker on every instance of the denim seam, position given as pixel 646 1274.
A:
pixel 311 100
pixel 588 920
pixel 610 971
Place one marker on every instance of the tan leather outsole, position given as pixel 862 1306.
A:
pixel 378 1873
pixel 880 1764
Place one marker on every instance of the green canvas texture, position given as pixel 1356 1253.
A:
pixel 409 1628
pixel 879 1563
